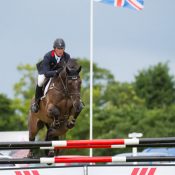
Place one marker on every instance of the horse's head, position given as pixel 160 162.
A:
pixel 73 79
pixel 69 78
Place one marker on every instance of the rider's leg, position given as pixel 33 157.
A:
pixel 38 93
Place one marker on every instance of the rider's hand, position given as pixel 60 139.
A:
pixel 58 71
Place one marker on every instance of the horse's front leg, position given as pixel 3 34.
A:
pixel 54 113
pixel 75 113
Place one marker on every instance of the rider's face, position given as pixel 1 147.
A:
pixel 59 52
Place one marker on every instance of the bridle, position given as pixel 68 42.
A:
pixel 65 90
pixel 65 85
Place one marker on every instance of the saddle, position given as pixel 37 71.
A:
pixel 46 86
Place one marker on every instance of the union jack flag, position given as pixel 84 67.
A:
pixel 132 4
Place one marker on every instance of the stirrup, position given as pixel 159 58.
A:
pixel 35 107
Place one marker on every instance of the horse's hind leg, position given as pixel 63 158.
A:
pixel 49 137
pixel 34 125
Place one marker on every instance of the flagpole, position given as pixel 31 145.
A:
pixel 91 75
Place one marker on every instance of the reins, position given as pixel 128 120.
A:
pixel 64 85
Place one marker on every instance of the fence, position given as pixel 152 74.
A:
pixel 98 143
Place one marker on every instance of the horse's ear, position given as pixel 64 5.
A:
pixel 79 69
pixel 67 70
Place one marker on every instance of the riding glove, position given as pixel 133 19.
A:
pixel 58 71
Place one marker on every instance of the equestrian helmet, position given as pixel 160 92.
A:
pixel 59 43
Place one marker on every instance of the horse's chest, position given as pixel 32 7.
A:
pixel 66 103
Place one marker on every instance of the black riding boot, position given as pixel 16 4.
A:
pixel 38 95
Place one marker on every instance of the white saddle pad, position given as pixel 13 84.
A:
pixel 47 87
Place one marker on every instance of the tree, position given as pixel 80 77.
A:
pixel 120 95
pixel 100 75
pixel 156 86
pixel 9 121
pixel 24 91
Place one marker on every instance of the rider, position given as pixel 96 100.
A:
pixel 46 68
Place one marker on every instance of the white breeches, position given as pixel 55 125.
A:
pixel 41 80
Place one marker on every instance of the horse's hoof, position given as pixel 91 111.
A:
pixel 56 124
pixel 51 153
pixel 30 155
pixel 71 124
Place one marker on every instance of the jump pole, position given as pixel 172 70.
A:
pixel 76 143
pixel 91 146
pixel 83 159
pixel 110 146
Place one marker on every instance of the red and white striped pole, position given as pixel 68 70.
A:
pixel 101 143
pixel 105 159
pixel 88 159
pixel 82 159
pixel 106 143
pixel 72 143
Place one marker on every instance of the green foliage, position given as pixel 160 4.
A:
pixel 158 122
pixel 9 121
pixel 121 95
pixel 26 85
pixel 24 91
pixel 100 76
pixel 156 86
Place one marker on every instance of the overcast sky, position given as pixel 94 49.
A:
pixel 125 41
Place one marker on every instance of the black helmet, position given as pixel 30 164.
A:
pixel 59 43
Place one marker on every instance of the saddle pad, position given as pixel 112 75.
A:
pixel 47 86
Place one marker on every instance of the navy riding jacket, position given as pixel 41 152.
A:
pixel 48 64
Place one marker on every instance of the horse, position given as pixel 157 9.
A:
pixel 60 106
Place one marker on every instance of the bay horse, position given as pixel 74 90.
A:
pixel 60 106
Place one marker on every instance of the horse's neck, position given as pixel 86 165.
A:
pixel 55 83
pixel 59 81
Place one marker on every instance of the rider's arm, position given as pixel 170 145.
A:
pixel 46 68
pixel 49 74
